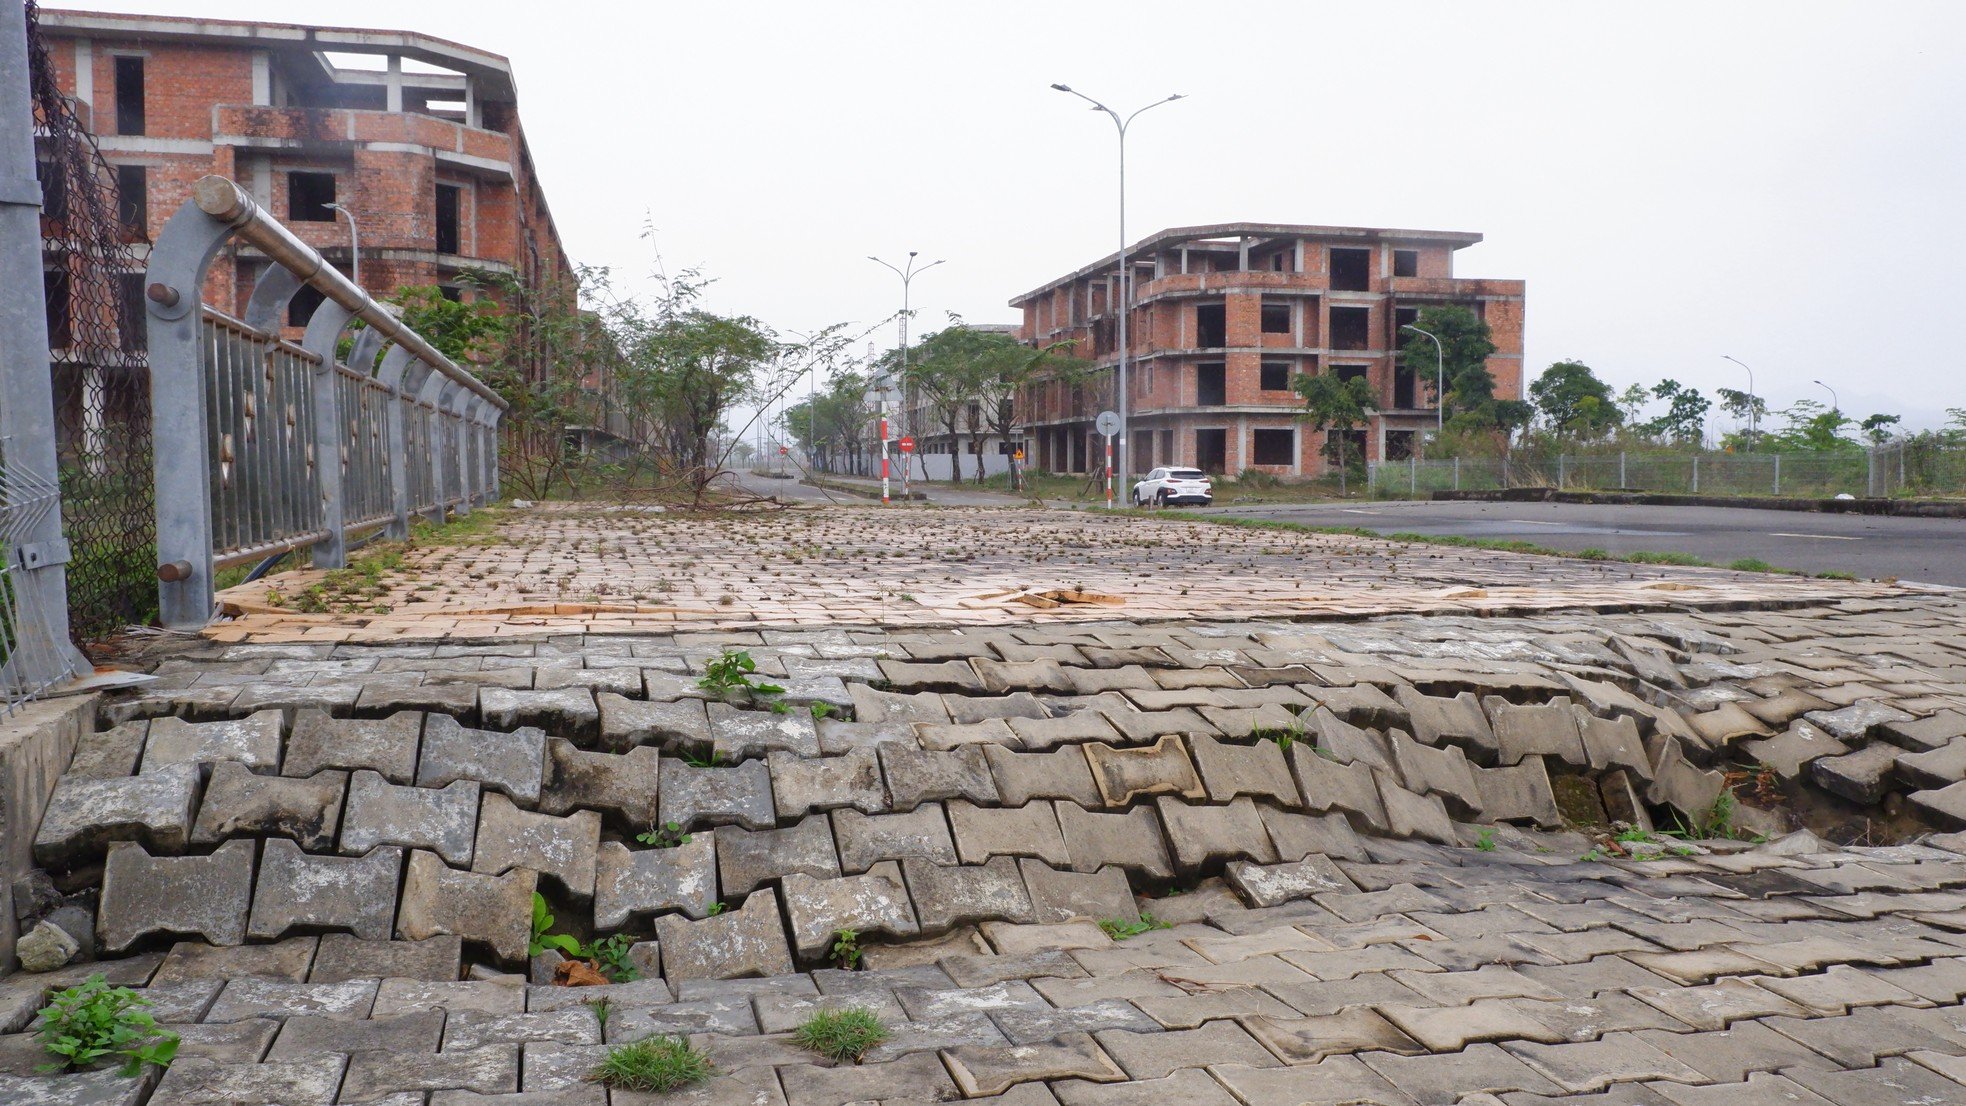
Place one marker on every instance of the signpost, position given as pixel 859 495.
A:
pixel 1108 424
pixel 1017 470
pixel 883 454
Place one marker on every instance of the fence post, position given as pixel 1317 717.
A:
pixel 394 363
pixel 179 423
pixel 1457 474
pixel 27 417
pixel 462 402
pixel 1412 474
pixel 1778 473
pixel 1870 473
pixel 493 474
pixel 1561 466
pixel 1621 471
pixel 1696 474
pixel 430 396
pixel 324 331
pixel 1505 471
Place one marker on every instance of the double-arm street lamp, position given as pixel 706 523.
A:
pixel 907 273
pixel 1125 300
pixel 1440 378
pixel 1754 416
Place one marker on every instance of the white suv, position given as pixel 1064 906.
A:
pixel 1166 487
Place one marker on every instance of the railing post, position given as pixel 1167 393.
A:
pixel 331 438
pixel 463 429
pixel 395 432
pixel 494 470
pixel 430 396
pixel 27 417
pixel 179 422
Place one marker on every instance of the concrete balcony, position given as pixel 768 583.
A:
pixel 335 130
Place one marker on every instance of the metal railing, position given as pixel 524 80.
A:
pixel 264 446
pixel 1890 469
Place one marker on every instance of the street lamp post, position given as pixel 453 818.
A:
pixel 907 273
pixel 1835 408
pixel 1754 416
pixel 1440 378
pixel 1125 300
pixel 354 244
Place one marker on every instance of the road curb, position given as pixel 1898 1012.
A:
pixel 1908 508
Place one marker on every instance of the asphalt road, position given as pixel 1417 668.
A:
pixel 1926 550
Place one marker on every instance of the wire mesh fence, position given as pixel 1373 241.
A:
pixel 31 650
pixel 1900 468
pixel 93 289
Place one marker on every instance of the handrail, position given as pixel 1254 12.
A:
pixel 224 200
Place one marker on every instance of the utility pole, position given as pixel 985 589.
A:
pixel 907 274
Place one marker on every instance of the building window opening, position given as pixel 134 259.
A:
pixel 1212 450
pixel 1276 376
pixel 1351 327
pixel 1406 263
pixel 1399 445
pixel 1273 447
pixel 1276 318
pixel 1351 270
pixel 451 292
pixel 1211 384
pixel 308 197
pixel 448 198
pixel 1352 372
pixel 1211 326
pixel 129 96
pixel 1403 391
pixel 132 200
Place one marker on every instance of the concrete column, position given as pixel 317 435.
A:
pixel 395 84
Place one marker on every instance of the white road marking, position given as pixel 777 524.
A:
pixel 1533 522
pixel 1356 511
pixel 1818 537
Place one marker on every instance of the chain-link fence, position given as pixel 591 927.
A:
pixel 91 223
pixel 31 650
pixel 1901 468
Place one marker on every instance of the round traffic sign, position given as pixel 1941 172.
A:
pixel 1108 423
pixel 908 445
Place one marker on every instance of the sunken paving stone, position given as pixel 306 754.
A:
pixel 1861 777
pixel 564 710
pixel 747 941
pixel 747 858
pixel 916 776
pixel 510 762
pixel 736 734
pixel 86 814
pixel 384 745
pixel 298 890
pixel 1257 770
pixel 344 957
pixel 619 786
pixel 1162 768
pixel 865 839
pixel 1031 830
pixel 946 896
pixel 629 722
pixel 241 803
pixel 874 902
pixel 735 795
pixel 803 783
pixel 1061 773
pixel 442 819
pixel 1093 840
pixel 1199 835
pixel 493 910
pixel 209 896
pixel 642 882
pixel 1275 884
pixel 1065 896
pixel 560 849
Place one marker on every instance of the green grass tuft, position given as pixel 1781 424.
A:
pixel 1119 929
pixel 653 1065
pixel 841 1034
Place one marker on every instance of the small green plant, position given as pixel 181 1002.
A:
pixel 1836 575
pixel 1485 841
pixel 610 954
pixel 668 835
pixel 1714 823
pixel 92 1020
pixel 542 921
pixel 841 1034
pixel 1751 564
pixel 711 759
pixel 1285 737
pixel 846 951
pixel 822 711
pixel 1591 554
pixel 1119 929
pixel 653 1065
pixel 603 1008
pixel 731 673
pixel 717 908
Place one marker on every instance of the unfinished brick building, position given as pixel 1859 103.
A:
pixel 1224 316
pixel 423 146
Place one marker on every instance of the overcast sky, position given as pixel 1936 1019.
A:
pixel 1778 181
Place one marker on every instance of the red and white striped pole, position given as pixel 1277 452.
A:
pixel 883 458
pixel 1109 472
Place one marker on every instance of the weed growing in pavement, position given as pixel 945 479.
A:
pixel 1836 575
pixel 1286 737
pixel 1485 841
pixel 1657 557
pixel 841 1034
pixel 1716 823
pixel 1119 929
pixel 602 1007
pixel 846 950
pixel 822 711
pixel 653 1065
pixel 668 835
pixel 717 908
pixel 92 1020
pixel 610 956
pixel 542 921
pixel 731 673
pixel 1591 554
pixel 711 759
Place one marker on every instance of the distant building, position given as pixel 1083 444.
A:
pixel 1224 316
pixel 425 147
pixel 940 453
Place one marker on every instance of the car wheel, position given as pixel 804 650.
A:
pixel 1160 499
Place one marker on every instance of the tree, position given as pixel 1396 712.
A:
pixel 464 332
pixel 1809 427
pixel 830 424
pixel 1336 406
pixel 972 378
pixel 1746 409
pixel 1685 419
pixel 1574 402
pixel 1465 344
pixel 1878 428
